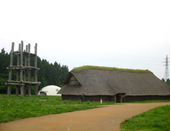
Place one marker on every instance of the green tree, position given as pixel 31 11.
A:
pixel 167 81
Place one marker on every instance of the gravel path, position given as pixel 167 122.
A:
pixel 107 118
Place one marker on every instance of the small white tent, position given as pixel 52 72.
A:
pixel 50 90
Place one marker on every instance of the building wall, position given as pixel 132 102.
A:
pixel 144 98
pixel 112 98
pixel 87 98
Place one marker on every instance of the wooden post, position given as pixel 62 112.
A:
pixel 17 90
pixel 25 71
pixel 29 89
pixel 120 99
pixel 18 64
pixel 115 98
pixel 21 69
pixel 22 90
pixel 35 64
pixel 10 70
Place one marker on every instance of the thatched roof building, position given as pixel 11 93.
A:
pixel 113 84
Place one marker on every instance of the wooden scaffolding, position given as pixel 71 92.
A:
pixel 23 81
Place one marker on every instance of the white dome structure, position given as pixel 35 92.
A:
pixel 50 90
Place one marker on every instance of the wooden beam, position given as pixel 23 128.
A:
pixel 15 84
pixel 22 68
pixel 24 82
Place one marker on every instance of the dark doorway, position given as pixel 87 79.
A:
pixel 119 97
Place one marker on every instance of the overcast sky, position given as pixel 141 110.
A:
pixel 131 34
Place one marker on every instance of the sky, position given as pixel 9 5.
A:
pixel 132 34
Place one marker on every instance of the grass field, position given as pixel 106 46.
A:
pixel 108 68
pixel 13 108
pixel 157 119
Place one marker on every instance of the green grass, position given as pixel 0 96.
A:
pixel 157 119
pixel 108 68
pixel 14 108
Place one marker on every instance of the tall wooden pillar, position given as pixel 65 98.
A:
pixel 10 70
pixel 18 75
pixel 25 71
pixel 35 64
pixel 21 69
pixel 29 88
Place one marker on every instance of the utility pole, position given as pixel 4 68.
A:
pixel 166 74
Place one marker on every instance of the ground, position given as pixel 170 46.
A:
pixel 107 118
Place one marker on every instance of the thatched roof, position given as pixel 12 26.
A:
pixel 103 81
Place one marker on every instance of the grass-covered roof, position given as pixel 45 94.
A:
pixel 95 80
pixel 107 68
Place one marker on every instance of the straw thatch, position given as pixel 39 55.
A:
pixel 108 83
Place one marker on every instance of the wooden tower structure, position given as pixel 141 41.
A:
pixel 23 81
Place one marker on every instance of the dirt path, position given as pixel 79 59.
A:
pixel 102 119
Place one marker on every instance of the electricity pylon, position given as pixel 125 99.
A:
pixel 166 74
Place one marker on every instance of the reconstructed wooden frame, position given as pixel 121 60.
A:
pixel 23 82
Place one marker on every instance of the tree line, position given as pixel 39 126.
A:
pixel 49 74
pixel 166 81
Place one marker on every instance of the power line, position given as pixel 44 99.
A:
pixel 166 74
